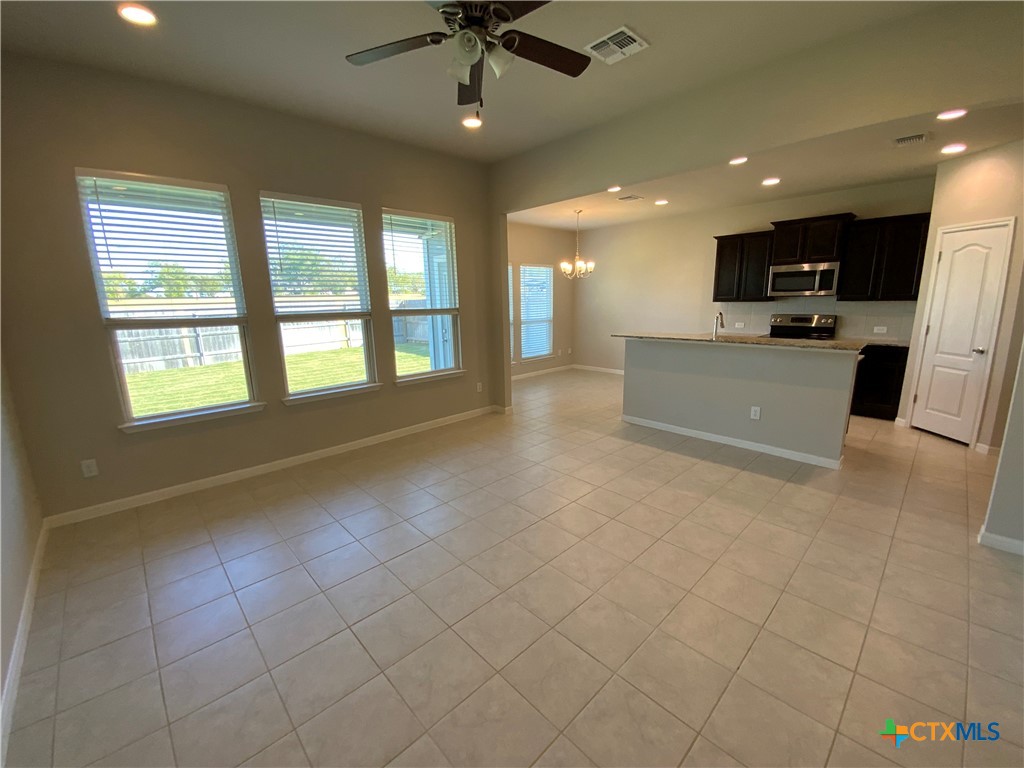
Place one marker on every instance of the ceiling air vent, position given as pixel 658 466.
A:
pixel 616 46
pixel 630 198
pixel 905 141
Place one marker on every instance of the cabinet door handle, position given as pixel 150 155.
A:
pixel 979 350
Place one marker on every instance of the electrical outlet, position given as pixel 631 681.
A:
pixel 741 325
pixel 881 329
pixel 89 468
pixel 570 350
pixel 755 412
pixel 479 386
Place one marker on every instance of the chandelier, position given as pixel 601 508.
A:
pixel 578 268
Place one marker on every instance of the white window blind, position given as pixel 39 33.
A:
pixel 316 256
pixel 161 250
pixel 166 268
pixel 420 256
pixel 423 292
pixel 317 259
pixel 511 318
pixel 536 311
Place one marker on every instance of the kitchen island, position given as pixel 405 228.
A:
pixel 696 386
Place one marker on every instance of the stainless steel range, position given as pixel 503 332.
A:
pixel 803 326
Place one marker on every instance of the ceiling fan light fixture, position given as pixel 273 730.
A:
pixel 460 72
pixel 136 14
pixel 473 121
pixel 499 59
pixel 467 47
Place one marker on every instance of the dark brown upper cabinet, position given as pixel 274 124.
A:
pixel 741 267
pixel 883 259
pixel 813 240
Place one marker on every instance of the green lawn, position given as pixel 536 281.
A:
pixel 179 389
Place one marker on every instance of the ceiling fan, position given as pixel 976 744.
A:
pixel 473 32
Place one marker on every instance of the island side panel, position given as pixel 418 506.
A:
pixel 804 395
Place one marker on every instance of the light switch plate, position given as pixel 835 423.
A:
pixel 741 325
pixel 89 468
pixel 881 329
pixel 755 412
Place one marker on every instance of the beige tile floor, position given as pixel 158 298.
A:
pixel 550 588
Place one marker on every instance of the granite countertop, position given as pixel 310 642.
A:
pixel 834 345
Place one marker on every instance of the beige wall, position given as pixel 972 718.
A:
pixel 21 524
pixel 978 187
pixel 541 245
pixel 915 65
pixel 57 117
pixel 657 275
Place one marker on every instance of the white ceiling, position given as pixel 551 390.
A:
pixel 848 159
pixel 290 55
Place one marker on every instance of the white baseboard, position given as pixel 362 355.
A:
pixel 901 422
pixel 10 691
pixel 988 450
pixel 118 505
pixel 617 371
pixel 806 458
pixel 531 374
pixel 1004 543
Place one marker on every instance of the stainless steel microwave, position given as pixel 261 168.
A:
pixel 804 279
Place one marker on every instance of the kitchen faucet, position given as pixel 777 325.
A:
pixel 719 323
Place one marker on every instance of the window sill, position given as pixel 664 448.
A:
pixel 449 374
pixel 159 422
pixel 327 394
pixel 538 359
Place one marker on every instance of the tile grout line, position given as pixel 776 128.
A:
pixel 506 538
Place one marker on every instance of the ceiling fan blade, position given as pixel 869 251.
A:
pixel 543 52
pixel 370 55
pixel 472 93
pixel 520 9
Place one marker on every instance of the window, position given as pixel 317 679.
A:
pixel 317 259
pixel 536 311
pixel 166 270
pixel 423 292
pixel 511 318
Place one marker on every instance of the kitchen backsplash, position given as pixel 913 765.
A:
pixel 857 319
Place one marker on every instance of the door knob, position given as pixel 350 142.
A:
pixel 979 350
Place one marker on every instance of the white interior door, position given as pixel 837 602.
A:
pixel 961 329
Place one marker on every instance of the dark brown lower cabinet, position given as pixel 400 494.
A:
pixel 879 382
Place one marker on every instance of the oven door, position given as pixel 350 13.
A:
pixel 804 279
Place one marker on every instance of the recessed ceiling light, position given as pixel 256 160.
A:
pixel 473 121
pixel 139 15
pixel 738 161
pixel 771 181
pixel 661 202
pixel 614 188
pixel 952 149
pixel 951 114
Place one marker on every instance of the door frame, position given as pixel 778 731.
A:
pixel 921 339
